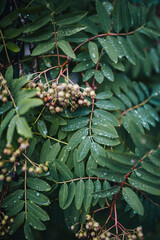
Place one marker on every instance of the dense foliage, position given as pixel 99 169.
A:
pixel 79 112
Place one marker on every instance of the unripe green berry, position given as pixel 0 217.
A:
pixel 3 222
pixel 1 177
pixel 31 169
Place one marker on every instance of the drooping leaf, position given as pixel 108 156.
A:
pixel 109 49
pixel 42 128
pixel 93 51
pixel 77 137
pixel 79 194
pixel 103 16
pixel 71 193
pixel 132 199
pixel 18 221
pixel 23 128
pixel 83 149
pixel 11 129
pixel 63 195
pixel 64 170
pixel 88 194
pixel 66 48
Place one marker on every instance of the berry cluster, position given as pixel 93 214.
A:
pixel 38 169
pixel 135 234
pixel 92 230
pixel 3 91
pixel 13 158
pixel 5 224
pixel 61 96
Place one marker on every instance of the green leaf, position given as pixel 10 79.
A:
pixel 43 47
pixel 79 194
pixel 70 30
pixel 99 76
pixel 109 49
pixel 107 105
pixel 107 193
pixel 107 72
pixel 44 151
pixel 103 16
pixel 9 74
pixel 11 128
pixel 106 116
pixel 18 221
pixel 5 107
pixel 126 18
pixel 27 231
pixel 37 36
pixel 38 184
pixel 38 23
pixel 83 149
pixel 70 18
pixel 12 46
pixel 106 141
pixel 144 175
pixel 75 124
pixel 13 32
pixel 63 194
pixel 9 18
pixel 25 105
pixel 108 175
pixel 88 74
pixel 37 211
pixel 88 194
pixel 23 128
pixel 154 157
pixel 53 172
pixel 78 166
pixel 64 170
pixel 93 51
pixel 97 188
pixel 129 159
pixel 144 186
pixel 6 120
pixel 12 198
pixel 117 16
pixel 84 65
pixel 104 95
pixel 42 128
pixel 149 167
pixel 138 50
pixel 106 131
pixel 53 152
pixel 37 197
pixel 132 199
pixel 127 50
pixel 35 222
pixel 66 48
pixel 15 208
pixel 77 137
pixel 97 151
pixel 71 193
